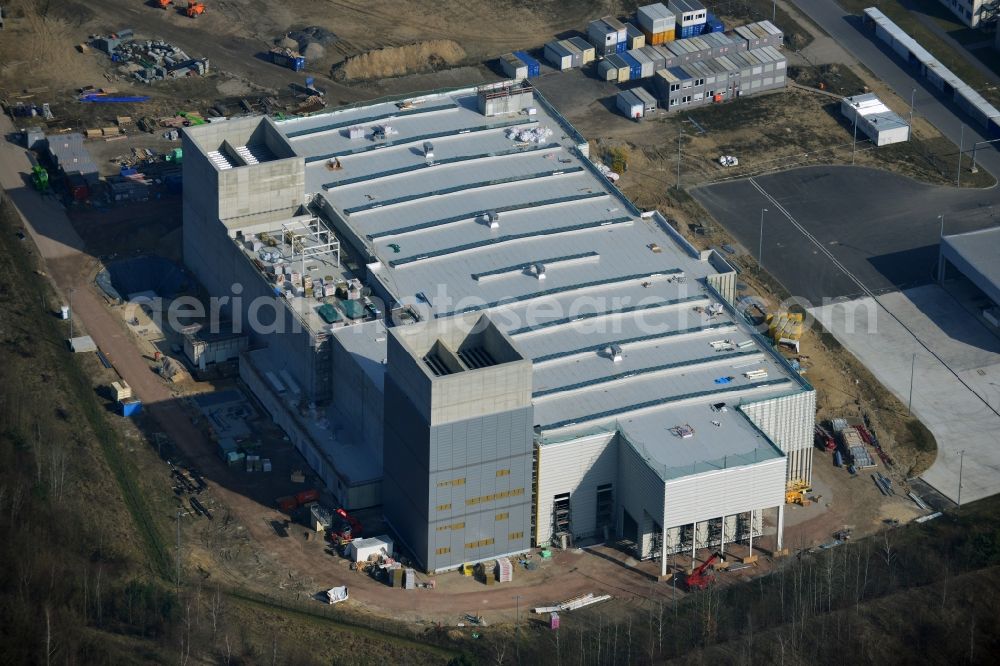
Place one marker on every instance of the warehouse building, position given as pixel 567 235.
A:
pixel 972 257
pixel 554 364
pixel 874 119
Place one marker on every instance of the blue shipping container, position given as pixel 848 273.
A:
pixel 534 69
pixel 131 407
pixel 691 30
pixel 621 47
pixel 634 67
pixel 712 24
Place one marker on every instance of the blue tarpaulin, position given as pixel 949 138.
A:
pixel 104 99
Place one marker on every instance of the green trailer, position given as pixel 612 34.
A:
pixel 40 178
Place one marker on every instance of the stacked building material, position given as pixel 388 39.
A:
pixel 150 60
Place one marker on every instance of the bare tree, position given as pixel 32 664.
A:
pixel 972 637
pixel 659 634
pixel 628 632
pixel 16 500
pixel 888 554
pixel 49 649
pixel 215 609
pixel 186 636
pixel 97 595
pixel 500 648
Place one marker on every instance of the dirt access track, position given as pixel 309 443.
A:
pixel 236 34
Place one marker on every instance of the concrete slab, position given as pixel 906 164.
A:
pixel 880 226
pixel 956 377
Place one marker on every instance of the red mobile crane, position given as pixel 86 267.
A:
pixel 698 579
pixel 346 529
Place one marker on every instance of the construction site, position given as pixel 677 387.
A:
pixel 459 336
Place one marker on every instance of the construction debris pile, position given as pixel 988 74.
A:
pixel 533 135
pixel 148 61
pixel 31 110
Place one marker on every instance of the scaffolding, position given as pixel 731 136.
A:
pixel 310 239
pixel 561 518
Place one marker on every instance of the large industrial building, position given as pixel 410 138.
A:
pixel 972 257
pixel 455 316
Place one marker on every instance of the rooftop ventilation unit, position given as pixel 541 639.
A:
pixel 615 352
pixel 428 150
pixel 219 160
pixel 683 431
pixel 493 218
pixel 539 270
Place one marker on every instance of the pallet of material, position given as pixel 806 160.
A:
pixel 862 459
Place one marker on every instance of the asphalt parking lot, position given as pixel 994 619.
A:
pixel 880 227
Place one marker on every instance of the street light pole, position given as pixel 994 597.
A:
pixel 760 249
pixel 680 134
pixel 913 96
pixel 909 403
pixel 975 147
pixel 961 149
pixel 69 299
pixel 941 218
pixel 961 466
pixel 854 146
pixel 517 626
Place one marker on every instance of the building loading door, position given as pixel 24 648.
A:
pixel 630 528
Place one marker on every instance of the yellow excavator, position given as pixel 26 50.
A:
pixel 795 493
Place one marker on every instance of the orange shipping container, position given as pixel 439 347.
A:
pixel 657 38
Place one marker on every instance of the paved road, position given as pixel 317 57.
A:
pixel 944 115
pixel 882 227
pixel 954 389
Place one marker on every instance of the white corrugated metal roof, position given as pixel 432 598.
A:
pixel 427 226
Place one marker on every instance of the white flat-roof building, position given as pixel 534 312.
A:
pixel 555 365
pixel 875 120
